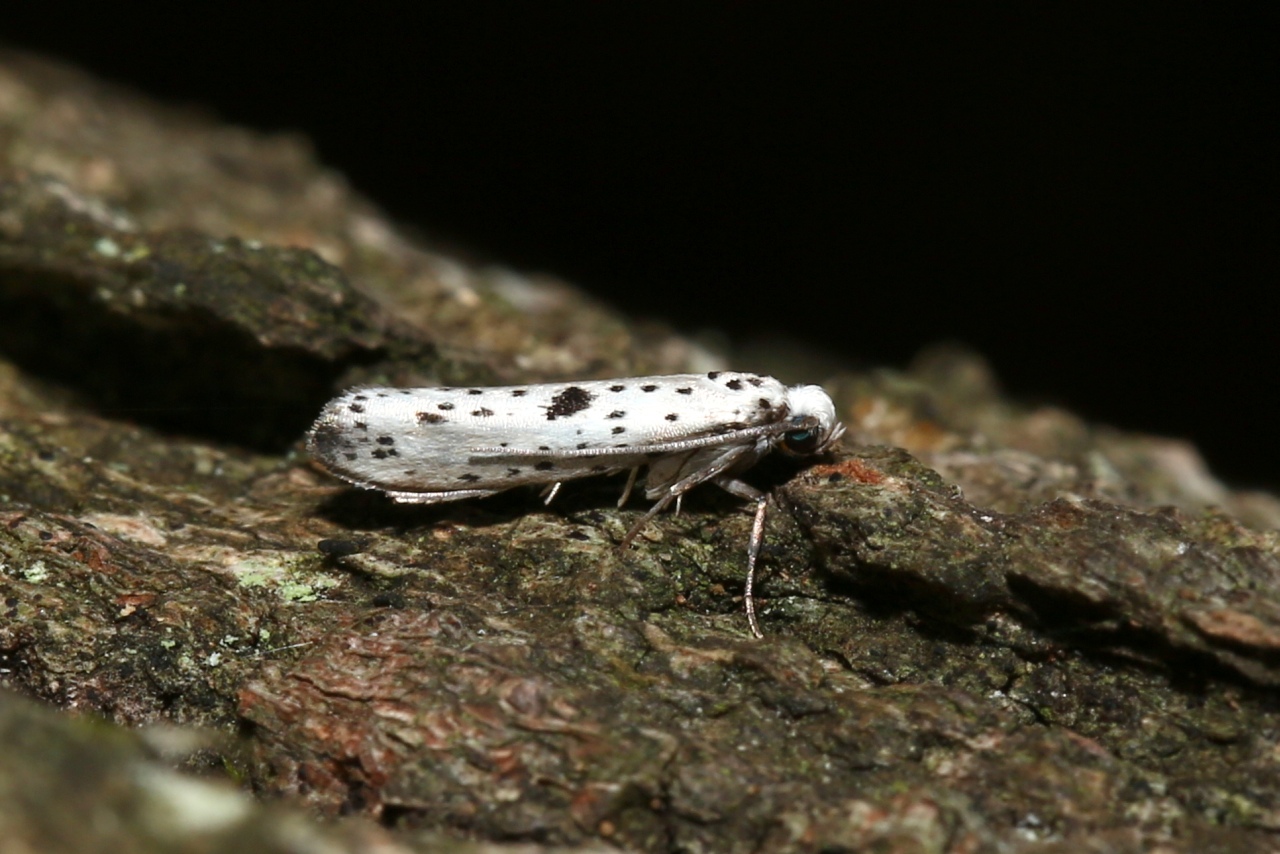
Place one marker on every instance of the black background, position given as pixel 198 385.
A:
pixel 1085 193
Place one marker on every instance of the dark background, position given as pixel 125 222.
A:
pixel 1085 193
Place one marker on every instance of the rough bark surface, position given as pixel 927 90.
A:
pixel 989 627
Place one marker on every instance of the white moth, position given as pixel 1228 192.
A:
pixel 428 445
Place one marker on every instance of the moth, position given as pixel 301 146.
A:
pixel 430 445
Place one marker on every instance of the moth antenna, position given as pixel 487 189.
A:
pixel 753 552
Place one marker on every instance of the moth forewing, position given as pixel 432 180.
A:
pixel 723 438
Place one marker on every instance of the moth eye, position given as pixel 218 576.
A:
pixel 800 442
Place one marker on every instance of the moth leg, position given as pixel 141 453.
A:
pixel 717 472
pixel 674 492
pixel 743 490
pixel 658 507
pixel 552 491
pixel 626 490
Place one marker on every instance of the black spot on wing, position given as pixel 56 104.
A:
pixel 513 472
pixel 673 416
pixel 469 477
pixel 519 392
pixel 482 412
pixel 360 397
pixel 617 413
pixel 617 430
pixel 649 387
pixel 383 453
pixel 685 390
pixel 444 407
pixel 568 401
pixel 360 425
pixel 545 465
pixel 475 391
pixel 386 440
pixel 765 404
pixel 755 381
pixel 735 385
pixel 712 374
pixel 617 388
pixel 355 407
pixel 582 446
pixel 429 417
pixel 326 440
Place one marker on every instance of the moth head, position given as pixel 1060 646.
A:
pixel 813 426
